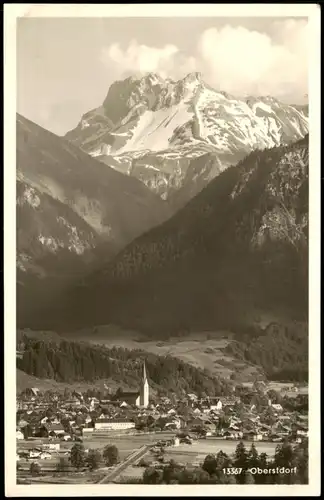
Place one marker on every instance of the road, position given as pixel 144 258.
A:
pixel 130 460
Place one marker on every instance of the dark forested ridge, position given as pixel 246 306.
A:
pixel 66 361
pixel 281 351
pixel 238 248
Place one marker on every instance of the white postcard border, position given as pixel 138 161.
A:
pixel 11 13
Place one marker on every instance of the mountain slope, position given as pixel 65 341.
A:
pixel 71 213
pixel 154 129
pixel 67 202
pixel 236 252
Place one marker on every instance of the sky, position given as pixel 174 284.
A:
pixel 66 65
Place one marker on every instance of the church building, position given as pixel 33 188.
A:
pixel 138 398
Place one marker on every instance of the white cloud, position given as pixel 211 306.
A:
pixel 242 61
pixel 168 61
pixel 234 59
pixel 141 58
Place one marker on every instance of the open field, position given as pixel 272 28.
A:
pixel 197 451
pixel 203 447
pixel 285 388
pixel 126 444
pixel 184 454
pixel 25 381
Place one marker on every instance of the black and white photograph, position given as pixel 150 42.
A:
pixel 162 235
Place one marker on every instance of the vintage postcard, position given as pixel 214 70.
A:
pixel 162 250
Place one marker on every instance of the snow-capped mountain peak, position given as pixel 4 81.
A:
pixel 154 129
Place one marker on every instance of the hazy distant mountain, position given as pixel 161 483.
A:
pixel 175 136
pixel 236 251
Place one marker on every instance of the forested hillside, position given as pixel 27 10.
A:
pixel 66 361
pixel 281 351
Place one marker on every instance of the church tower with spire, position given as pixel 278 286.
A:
pixel 144 390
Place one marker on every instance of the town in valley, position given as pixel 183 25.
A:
pixel 132 437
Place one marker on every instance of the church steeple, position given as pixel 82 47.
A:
pixel 144 390
pixel 144 379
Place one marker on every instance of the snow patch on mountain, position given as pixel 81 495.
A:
pixel 154 129
pixel 262 106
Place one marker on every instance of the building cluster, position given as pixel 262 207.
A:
pixel 54 418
